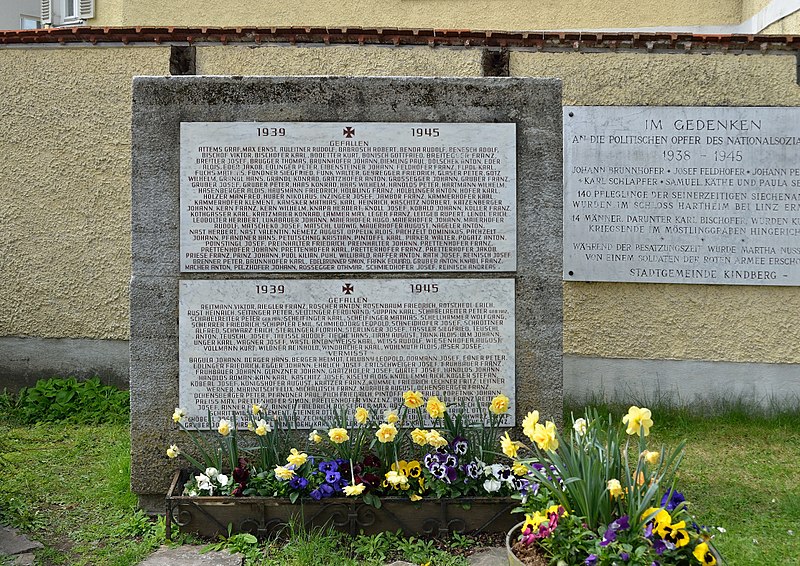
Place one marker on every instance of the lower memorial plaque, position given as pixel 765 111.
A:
pixel 334 343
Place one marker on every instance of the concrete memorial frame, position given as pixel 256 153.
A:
pixel 160 104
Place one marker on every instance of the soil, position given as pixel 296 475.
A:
pixel 529 555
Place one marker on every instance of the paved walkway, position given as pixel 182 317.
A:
pixel 190 556
pixel 17 547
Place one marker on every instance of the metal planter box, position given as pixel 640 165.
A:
pixel 265 516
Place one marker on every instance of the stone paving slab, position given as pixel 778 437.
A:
pixel 190 556
pixel 13 543
pixel 490 557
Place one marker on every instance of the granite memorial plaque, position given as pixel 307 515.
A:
pixel 682 195
pixel 267 211
pixel 349 196
pixel 343 343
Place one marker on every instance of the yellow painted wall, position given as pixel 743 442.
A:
pixel 461 14
pixel 655 321
pixel 790 25
pixel 339 60
pixel 65 189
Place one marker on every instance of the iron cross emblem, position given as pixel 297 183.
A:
pixel 349 132
pixel 347 289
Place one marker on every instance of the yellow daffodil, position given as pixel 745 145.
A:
pixel 391 416
pixel 262 427
pixel 296 458
pixel 638 421
pixel 435 439
pixel 283 473
pixel 314 437
pixel 396 479
pixel 386 432
pixel 499 404
pixel 419 436
pixel 545 436
pixel 579 426
pixel 256 409
pixel 353 490
pixel 529 424
pixel 361 415
pixel 173 452
pixel 510 447
pixel 615 488
pixel 436 408
pixel 415 497
pixel 338 435
pixel 704 555
pixel 651 457
pixel 178 415
pixel 519 469
pixel 412 399
pixel 224 427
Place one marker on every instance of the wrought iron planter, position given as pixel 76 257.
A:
pixel 264 516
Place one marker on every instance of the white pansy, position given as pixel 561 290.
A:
pixel 223 480
pixel 492 485
pixel 212 473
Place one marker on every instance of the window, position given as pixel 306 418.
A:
pixel 66 12
pixel 29 22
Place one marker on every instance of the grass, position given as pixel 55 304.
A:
pixel 67 485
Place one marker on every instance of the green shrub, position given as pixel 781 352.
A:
pixel 60 399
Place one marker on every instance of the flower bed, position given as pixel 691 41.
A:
pixel 359 475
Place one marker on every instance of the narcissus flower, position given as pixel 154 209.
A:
pixel 262 427
pixel 257 409
pixel 284 472
pixel 519 469
pixel 651 457
pixel 314 437
pixel 412 399
pixel 436 408
pixel 499 404
pixel 361 415
pixel 614 488
pixel 296 458
pixel 545 436
pixel 419 436
pixel 704 555
pixel 435 439
pixel 529 424
pixel 510 447
pixel 386 432
pixel 178 415
pixel 396 479
pixel 224 427
pixel 391 416
pixel 579 426
pixel 338 435
pixel 638 421
pixel 353 490
pixel 172 451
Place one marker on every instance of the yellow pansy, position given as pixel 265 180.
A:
pixel 412 399
pixel 704 555
pixel 499 404
pixel 436 408
pixel 361 415
pixel 386 432
pixel 638 421
pixel 338 435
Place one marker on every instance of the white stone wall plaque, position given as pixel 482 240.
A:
pixel 355 196
pixel 345 343
pixel 682 195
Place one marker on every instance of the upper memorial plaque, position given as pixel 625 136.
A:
pixel 682 195
pixel 355 196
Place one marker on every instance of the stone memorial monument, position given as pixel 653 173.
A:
pixel 313 241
